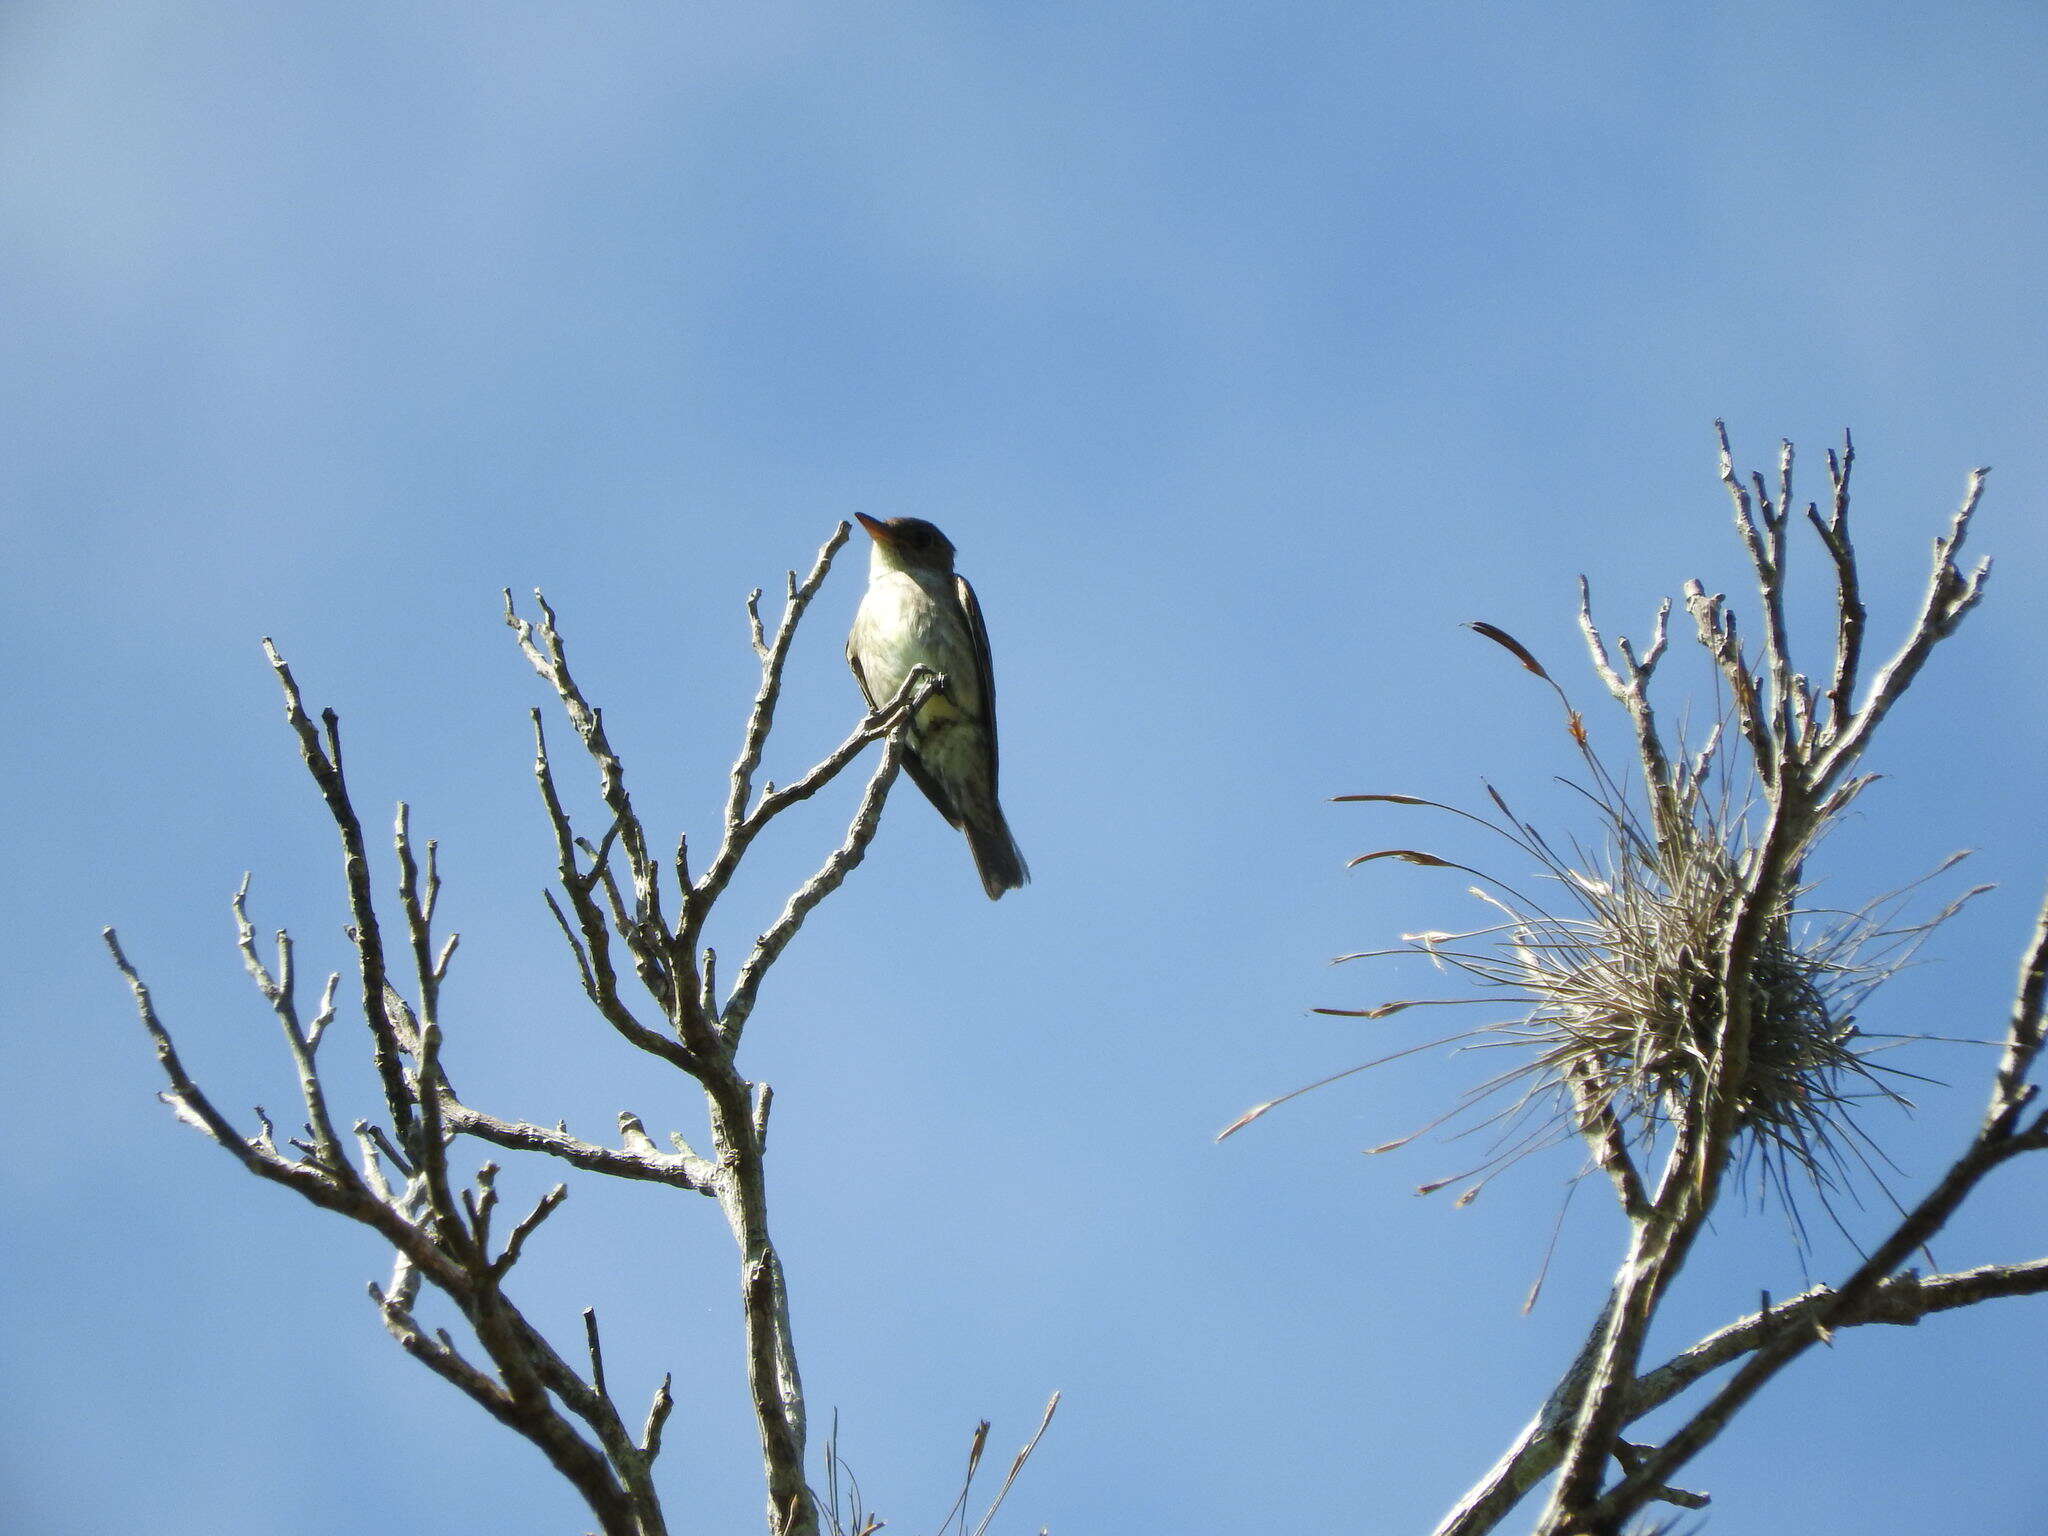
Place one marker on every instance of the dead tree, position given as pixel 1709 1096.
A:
pixel 1684 1013
pixel 634 919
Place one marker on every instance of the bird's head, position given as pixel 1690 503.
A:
pixel 909 544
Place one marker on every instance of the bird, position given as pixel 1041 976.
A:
pixel 918 609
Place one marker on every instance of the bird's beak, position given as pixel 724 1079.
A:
pixel 877 529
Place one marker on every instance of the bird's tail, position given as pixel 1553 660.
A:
pixel 995 851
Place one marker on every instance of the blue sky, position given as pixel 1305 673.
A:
pixel 1245 353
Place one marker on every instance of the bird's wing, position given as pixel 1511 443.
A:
pixel 977 632
pixel 934 791
pixel 853 661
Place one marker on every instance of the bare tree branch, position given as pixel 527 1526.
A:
pixel 1849 611
pixel 442 1229
pixel 867 820
pixel 324 763
pixel 1950 596
pixel 1664 1039
pixel 650 1165
pixel 1902 1300
pixel 761 718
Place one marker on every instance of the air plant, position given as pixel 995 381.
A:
pixel 1683 1003
pixel 1689 908
pixel 1616 998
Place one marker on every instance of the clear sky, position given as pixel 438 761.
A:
pixel 1245 352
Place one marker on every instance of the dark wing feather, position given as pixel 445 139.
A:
pixel 978 633
pixel 934 791
pixel 853 661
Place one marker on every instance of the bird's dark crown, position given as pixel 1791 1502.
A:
pixel 913 539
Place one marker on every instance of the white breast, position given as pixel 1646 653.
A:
pixel 901 623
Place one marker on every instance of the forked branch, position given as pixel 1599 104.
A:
pixel 1801 756
pixel 1688 1010
pixel 397 1175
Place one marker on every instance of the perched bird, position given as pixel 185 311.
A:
pixel 917 609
